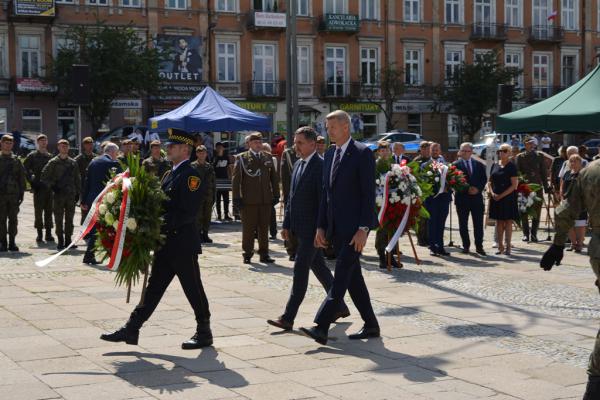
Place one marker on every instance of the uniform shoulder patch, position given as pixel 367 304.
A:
pixel 193 183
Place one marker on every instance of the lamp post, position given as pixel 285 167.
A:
pixel 291 87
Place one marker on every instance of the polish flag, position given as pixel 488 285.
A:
pixel 553 16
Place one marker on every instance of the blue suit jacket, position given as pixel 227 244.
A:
pixel 98 173
pixel 477 179
pixel 349 201
pixel 302 207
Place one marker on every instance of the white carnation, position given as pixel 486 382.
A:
pixel 437 178
pixel 377 181
pixel 379 200
pixel 109 218
pixel 115 225
pixel 131 224
pixel 110 197
pixel 102 209
pixel 429 173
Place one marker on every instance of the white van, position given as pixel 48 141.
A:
pixel 480 147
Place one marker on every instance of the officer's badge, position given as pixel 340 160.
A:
pixel 193 183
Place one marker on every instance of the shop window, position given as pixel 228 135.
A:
pixel 369 122
pixel 31 120
pixel 414 123
pixel 67 125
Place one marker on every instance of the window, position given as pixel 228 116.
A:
pixel 568 73
pixel 303 8
pixel 412 67
pixel 484 12
pixel 264 73
pixel 512 13
pixel 335 71
pixel 29 56
pixel 226 5
pixel 369 65
pixel 335 7
pixel 67 125
pixel 3 58
pixel 369 125
pixel 541 76
pixel 131 3
pixel 513 59
pixel 453 127
pixel 227 62
pixel 454 59
pixel 61 42
pixel 412 11
pixel 454 11
pixel 65 1
pixel 369 9
pixel 3 116
pixel 478 54
pixel 176 4
pixel 31 120
pixel 98 2
pixel 414 123
pixel 266 5
pixel 304 65
pixel 569 14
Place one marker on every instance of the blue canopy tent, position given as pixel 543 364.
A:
pixel 210 112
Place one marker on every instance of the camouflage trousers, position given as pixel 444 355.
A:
pixel 594 252
pixel 42 204
pixel 204 215
pixel 64 212
pixel 9 210
pixel 381 242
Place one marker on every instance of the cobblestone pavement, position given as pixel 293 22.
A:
pixel 463 327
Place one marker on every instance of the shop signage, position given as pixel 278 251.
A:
pixel 184 57
pixel 35 8
pixel 126 103
pixel 357 107
pixel 269 19
pixel 258 107
pixel 341 23
pixel 34 85
pixel 413 106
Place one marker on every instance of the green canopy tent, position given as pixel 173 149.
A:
pixel 574 110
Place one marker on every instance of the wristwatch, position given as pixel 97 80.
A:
pixel 365 229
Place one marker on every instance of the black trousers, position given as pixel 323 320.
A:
pixel 473 206
pixel 223 195
pixel 348 276
pixel 166 266
pixel 308 258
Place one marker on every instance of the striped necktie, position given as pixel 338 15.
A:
pixel 336 163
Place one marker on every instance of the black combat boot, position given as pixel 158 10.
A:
pixel 61 242
pixel 592 390
pixel 40 236
pixel 49 237
pixel 205 238
pixel 129 333
pixel 202 338
pixel 535 223
pixel 525 225
pixel 11 244
pixel 382 260
pixel 3 246
pixel 90 258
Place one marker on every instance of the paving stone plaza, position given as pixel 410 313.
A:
pixel 462 327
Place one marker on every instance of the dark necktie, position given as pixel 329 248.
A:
pixel 336 163
pixel 469 168
pixel 298 174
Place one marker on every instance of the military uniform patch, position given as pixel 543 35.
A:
pixel 193 183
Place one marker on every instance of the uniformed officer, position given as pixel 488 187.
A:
pixel 178 256
pixel 582 195
pixel 156 163
pixel 12 189
pixel 321 146
pixel 42 196
pixel 83 160
pixel 126 149
pixel 207 175
pixel 531 165
pixel 255 191
pixel 288 160
pixel 61 175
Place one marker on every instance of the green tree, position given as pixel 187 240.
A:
pixel 121 64
pixel 471 92
pixel 388 90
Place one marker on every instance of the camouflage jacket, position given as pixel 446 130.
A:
pixel 62 176
pixel 34 163
pixel 12 176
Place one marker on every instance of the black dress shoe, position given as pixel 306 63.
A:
pixel 481 252
pixel 49 237
pixel 465 250
pixel 443 252
pixel 13 247
pixel 127 335
pixel 206 239
pixel 293 258
pixel 198 341
pixel 266 259
pixel 534 238
pixel 316 333
pixel 365 333
pixel 525 238
pixel 341 314
pixel 281 324
pixel 433 253
pixel 247 260
pixel 90 260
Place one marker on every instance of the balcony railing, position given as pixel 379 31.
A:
pixel 350 89
pixel 546 33
pixel 266 88
pixel 488 31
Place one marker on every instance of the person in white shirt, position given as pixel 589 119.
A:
pixel 546 143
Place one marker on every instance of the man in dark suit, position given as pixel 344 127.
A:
pixel 399 157
pixel 98 173
pixel 471 201
pixel 301 213
pixel 346 215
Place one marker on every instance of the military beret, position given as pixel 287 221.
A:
pixel 7 138
pixel 155 143
pixel 219 144
pixel 320 139
pixel 383 144
pixel 179 136
pixel 40 136
pixel 201 148
pixel 126 142
pixel 63 141
pixel 528 139
pixel 87 139
pixel 424 144
pixel 254 136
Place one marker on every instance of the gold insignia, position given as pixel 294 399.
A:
pixel 193 183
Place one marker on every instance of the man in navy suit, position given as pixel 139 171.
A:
pixel 471 201
pixel 346 215
pixel 98 173
pixel 301 213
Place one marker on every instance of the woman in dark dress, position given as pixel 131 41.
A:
pixel 502 187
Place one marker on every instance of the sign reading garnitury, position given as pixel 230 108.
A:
pixel 35 8
pixel 341 22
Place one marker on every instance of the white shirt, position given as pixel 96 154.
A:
pixel 343 147
pixel 469 164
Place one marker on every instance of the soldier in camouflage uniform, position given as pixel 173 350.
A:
pixel 61 175
pixel 42 196
pixel 581 195
pixel 12 189
pixel 126 149
pixel 156 163
pixel 288 159
pixel 207 176
pixel 83 160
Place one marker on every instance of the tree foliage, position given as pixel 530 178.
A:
pixel 472 91
pixel 120 60
pixel 390 88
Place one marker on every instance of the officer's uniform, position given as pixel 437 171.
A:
pixel 178 256
pixel 12 189
pixel 62 177
pixel 531 165
pixel 42 195
pixel 255 189
pixel 583 195
pixel 157 167
pixel 83 160
pixel 288 160
pixel 207 175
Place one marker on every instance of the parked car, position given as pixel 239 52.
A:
pixel 408 139
pixel 27 145
pixel 480 147
pixel 116 135
pixel 593 145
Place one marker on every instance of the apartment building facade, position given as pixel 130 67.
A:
pixel 239 47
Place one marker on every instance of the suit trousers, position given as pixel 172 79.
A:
pixel 165 267
pixel 438 207
pixel 255 218
pixel 473 205
pixel 308 258
pixel 42 204
pixel 348 276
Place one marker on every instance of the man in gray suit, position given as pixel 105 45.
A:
pixel 301 213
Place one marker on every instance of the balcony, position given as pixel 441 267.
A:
pixel 266 20
pixel 546 34
pixel 273 89
pixel 340 23
pixel 488 31
pixel 340 90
